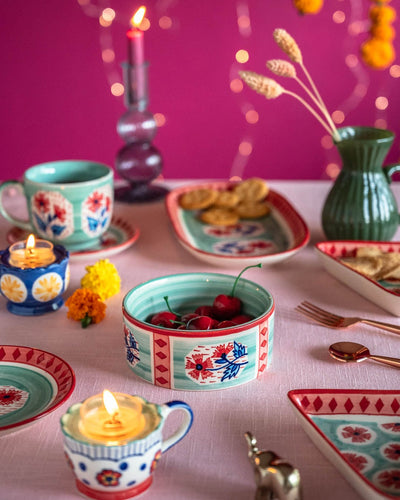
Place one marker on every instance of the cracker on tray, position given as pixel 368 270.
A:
pixel 372 262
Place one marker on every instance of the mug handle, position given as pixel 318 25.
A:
pixel 389 170
pixel 24 224
pixel 183 429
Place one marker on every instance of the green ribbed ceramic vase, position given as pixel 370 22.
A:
pixel 361 205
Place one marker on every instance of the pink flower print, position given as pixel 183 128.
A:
pixel 9 396
pixel 392 426
pixel 108 477
pixel 390 478
pixel 108 203
pixel 59 213
pixel 223 350
pixel 356 434
pixel 199 367
pixel 41 202
pixel 357 461
pixel 95 201
pixel 392 452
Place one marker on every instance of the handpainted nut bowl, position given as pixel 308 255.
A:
pixel 197 360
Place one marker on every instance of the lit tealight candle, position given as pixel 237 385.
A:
pixel 135 38
pixel 31 253
pixel 112 418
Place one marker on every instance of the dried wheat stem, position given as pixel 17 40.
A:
pixel 310 109
pixel 318 96
pixel 261 84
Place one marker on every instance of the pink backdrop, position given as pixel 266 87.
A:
pixel 57 104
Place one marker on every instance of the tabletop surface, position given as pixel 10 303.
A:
pixel 211 461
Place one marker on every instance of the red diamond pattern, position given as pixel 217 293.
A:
pixel 305 402
pixel 40 358
pixel 332 404
pixel 29 355
pixel 263 347
pixel 49 363
pixel 317 403
pixel 348 405
pixel 379 405
pixel 2 353
pixel 162 369
pixel 395 405
pixel 16 354
pixel 364 403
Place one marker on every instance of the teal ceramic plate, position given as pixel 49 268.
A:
pixel 33 383
pixel 269 239
pixel 383 293
pixel 119 236
pixel 359 432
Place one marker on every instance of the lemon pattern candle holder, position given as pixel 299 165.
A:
pixel 34 291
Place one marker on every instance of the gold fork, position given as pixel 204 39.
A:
pixel 331 320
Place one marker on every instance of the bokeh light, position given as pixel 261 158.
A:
pixel 165 22
pixel 360 90
pixel 326 142
pixel 242 56
pixel 394 71
pixel 235 178
pixel 108 14
pixel 245 148
pixel 338 116
pixel 332 170
pixel 339 17
pixel 252 116
pixel 381 102
pixel 380 123
pixel 103 22
pixel 236 85
pixel 117 89
pixel 145 24
pixel 351 60
pixel 108 55
pixel 243 22
pixel 160 119
pixel 355 28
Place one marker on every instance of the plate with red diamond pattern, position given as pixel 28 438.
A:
pixel 359 432
pixel 268 239
pixel 33 383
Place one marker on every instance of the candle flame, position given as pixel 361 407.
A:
pixel 110 403
pixel 30 243
pixel 138 16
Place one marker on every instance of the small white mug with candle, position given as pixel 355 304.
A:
pixel 114 441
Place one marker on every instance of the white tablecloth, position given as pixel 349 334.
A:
pixel 211 462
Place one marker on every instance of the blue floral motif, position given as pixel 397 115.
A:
pixel 132 348
pixel 231 367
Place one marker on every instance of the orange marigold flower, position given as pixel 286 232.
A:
pixel 377 54
pixel 308 6
pixel 382 14
pixel 85 306
pixel 382 32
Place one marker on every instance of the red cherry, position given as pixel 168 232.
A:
pixel 242 318
pixel 201 323
pixel 226 306
pixel 164 318
pixel 226 323
pixel 181 327
pixel 204 311
pixel 187 317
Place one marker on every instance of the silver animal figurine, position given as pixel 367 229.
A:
pixel 275 477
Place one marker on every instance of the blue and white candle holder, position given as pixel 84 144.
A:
pixel 34 291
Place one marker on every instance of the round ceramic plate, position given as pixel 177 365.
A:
pixel 119 236
pixel 33 383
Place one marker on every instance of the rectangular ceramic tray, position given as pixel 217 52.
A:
pixel 383 293
pixel 359 432
pixel 269 239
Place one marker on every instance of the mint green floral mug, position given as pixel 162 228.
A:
pixel 69 202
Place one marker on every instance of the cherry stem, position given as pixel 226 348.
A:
pixel 237 279
pixel 169 307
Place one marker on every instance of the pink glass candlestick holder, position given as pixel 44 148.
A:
pixel 138 162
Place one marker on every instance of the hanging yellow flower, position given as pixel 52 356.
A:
pixel 382 32
pixel 308 6
pixel 380 14
pixel 102 278
pixel 85 306
pixel 378 54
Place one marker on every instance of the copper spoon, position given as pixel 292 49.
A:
pixel 350 351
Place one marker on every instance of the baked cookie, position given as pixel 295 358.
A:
pixel 252 210
pixel 227 199
pixel 198 199
pixel 253 189
pixel 218 216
